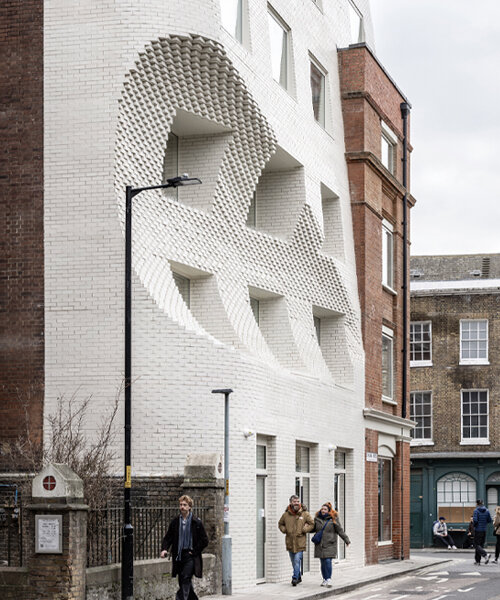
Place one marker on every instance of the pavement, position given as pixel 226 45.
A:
pixel 350 577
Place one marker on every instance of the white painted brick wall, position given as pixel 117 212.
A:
pixel 105 128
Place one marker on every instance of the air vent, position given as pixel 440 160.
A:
pixel 416 273
pixel 476 273
pixel 486 266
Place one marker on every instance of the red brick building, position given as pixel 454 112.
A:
pixel 374 112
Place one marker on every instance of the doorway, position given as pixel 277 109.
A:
pixel 261 465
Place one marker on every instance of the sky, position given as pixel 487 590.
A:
pixel 444 55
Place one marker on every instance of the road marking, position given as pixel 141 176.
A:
pixel 440 597
pixel 373 596
pixel 399 597
pixel 440 572
pixel 473 574
pixel 467 590
pixel 430 578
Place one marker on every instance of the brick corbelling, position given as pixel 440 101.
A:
pixel 21 238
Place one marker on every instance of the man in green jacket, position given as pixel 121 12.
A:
pixel 295 523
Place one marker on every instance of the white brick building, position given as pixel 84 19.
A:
pixel 264 302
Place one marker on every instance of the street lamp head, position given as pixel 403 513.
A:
pixel 224 391
pixel 182 180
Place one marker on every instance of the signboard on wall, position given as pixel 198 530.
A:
pixel 48 534
pixel 371 457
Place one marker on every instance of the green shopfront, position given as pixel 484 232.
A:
pixel 448 484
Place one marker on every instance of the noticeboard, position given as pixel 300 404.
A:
pixel 48 534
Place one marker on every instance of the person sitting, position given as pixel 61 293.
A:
pixel 440 531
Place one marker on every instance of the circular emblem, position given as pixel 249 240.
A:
pixel 49 483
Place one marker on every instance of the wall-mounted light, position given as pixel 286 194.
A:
pixel 332 447
pixel 248 433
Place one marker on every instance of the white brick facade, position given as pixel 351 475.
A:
pixel 119 77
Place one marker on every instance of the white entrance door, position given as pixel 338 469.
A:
pixel 261 528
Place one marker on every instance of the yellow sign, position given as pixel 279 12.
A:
pixel 128 476
pixel 227 487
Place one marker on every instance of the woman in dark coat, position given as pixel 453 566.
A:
pixel 327 547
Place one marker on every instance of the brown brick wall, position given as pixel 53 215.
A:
pixel 447 377
pixel 21 198
pixel 368 96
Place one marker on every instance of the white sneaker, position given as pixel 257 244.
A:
pixel 323 583
pixel 454 547
pixel 449 547
pixel 329 583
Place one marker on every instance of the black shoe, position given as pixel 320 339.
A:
pixel 487 559
pixel 294 582
pixel 299 580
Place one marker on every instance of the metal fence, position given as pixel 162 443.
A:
pixel 11 536
pixel 150 523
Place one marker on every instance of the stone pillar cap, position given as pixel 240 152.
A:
pixel 200 466
pixel 57 481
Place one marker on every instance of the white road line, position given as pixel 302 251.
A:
pixel 440 597
pixel 472 574
pixel 373 596
pixel 440 572
pixel 467 590
pixel 399 597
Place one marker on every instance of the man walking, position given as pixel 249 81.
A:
pixel 295 523
pixel 440 531
pixel 187 538
pixel 481 518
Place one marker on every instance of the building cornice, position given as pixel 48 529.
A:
pixel 380 417
pixel 453 288
pixel 474 455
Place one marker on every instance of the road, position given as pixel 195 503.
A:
pixel 457 580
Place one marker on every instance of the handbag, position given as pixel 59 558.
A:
pixel 316 538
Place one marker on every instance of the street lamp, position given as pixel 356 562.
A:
pixel 227 582
pixel 128 530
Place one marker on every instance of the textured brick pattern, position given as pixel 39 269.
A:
pixel 21 234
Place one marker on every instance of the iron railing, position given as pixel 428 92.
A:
pixel 150 523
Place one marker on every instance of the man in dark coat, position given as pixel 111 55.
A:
pixel 481 518
pixel 187 538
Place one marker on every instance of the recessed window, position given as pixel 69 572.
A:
pixel 232 17
pixel 255 306
pixel 475 416
pixel 456 497
pixel 420 344
pixel 318 91
pixel 384 499
pixel 387 365
pixel 388 142
pixel 317 327
pixel 421 412
pixel 279 35
pixel 387 254
pixel 252 212
pixel 184 286
pixel 474 342
pixel 356 24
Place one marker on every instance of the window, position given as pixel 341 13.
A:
pixel 388 143
pixel 317 327
pixel 232 17
pixel 255 306
pixel 387 254
pixel 421 412
pixel 456 497
pixel 421 344
pixel 387 365
pixel 303 484
pixel 184 286
pixel 475 417
pixel 252 212
pixel 356 23
pixel 318 86
pixel 279 38
pixel 474 342
pixel 384 499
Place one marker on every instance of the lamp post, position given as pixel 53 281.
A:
pixel 227 580
pixel 128 530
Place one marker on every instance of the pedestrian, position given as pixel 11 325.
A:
pixel 496 531
pixel 327 525
pixel 295 523
pixel 469 540
pixel 481 519
pixel 186 537
pixel 440 531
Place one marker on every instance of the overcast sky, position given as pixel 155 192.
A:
pixel 445 57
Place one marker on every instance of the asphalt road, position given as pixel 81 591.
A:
pixel 456 580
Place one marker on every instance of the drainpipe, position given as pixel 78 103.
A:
pixel 405 111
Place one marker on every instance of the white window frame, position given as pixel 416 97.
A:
pixel 388 460
pixel 478 441
pixel 474 361
pixel 426 362
pixel 388 256
pixel 389 334
pixel 321 121
pixel 272 14
pixel 239 26
pixel 421 441
pixel 388 137
pixel 466 493
pixel 355 12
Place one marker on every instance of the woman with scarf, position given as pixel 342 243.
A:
pixel 187 538
pixel 327 522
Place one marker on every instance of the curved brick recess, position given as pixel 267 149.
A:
pixel 193 74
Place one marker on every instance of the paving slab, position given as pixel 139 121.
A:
pixel 344 580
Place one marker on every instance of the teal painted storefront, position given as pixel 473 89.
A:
pixel 425 474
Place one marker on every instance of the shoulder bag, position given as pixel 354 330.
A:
pixel 316 538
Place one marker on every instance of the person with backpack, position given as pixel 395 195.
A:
pixel 327 527
pixel 481 519
pixel 440 531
